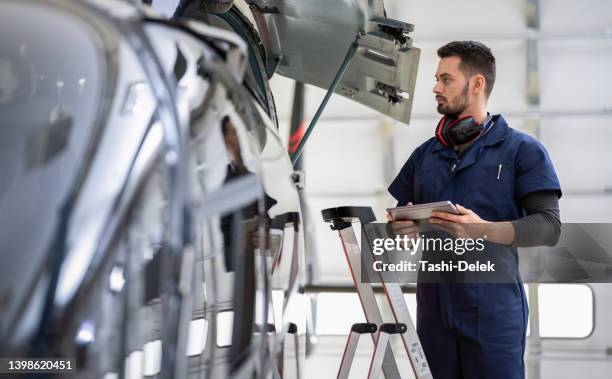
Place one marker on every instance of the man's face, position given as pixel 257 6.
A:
pixel 451 87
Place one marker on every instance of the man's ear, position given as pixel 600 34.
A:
pixel 478 84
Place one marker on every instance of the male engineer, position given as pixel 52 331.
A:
pixel 498 178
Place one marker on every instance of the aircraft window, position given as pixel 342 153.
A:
pixel 133 365
pixel 48 110
pixel 152 352
pixel 47 103
pixel 196 342
pixel 566 310
pixel 225 321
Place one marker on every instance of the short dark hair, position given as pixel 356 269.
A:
pixel 476 58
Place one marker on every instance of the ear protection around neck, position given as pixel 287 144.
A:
pixel 457 131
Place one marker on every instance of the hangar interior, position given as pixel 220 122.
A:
pixel 158 228
pixel 552 82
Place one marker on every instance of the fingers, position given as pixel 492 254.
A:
pixel 445 216
pixel 437 220
pixel 390 218
pixel 402 224
pixel 463 210
pixel 453 228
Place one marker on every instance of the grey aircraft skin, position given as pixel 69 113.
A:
pixel 150 220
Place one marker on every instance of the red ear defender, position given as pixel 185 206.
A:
pixel 439 134
pixel 454 132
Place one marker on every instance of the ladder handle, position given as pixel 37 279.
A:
pixel 365 215
pixel 292 328
pixel 393 328
pixel 364 328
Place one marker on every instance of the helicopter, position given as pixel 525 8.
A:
pixel 151 216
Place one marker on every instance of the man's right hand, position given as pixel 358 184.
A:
pixel 406 227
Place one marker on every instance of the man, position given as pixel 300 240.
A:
pixel 501 180
pixel 240 237
pixel 235 169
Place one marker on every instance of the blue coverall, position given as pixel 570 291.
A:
pixel 476 330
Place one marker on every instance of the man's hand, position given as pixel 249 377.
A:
pixel 407 227
pixel 467 224
pixel 465 216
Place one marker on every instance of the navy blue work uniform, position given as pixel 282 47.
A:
pixel 476 330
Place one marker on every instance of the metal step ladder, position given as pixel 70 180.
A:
pixel 341 219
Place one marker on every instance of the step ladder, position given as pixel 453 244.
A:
pixel 383 359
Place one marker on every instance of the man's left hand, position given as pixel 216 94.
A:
pixel 467 224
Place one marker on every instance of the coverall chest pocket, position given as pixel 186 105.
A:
pixel 490 186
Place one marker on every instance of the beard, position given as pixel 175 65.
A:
pixel 457 105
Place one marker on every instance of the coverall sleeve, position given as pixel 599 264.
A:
pixel 402 187
pixel 534 170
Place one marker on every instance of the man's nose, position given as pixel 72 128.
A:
pixel 437 88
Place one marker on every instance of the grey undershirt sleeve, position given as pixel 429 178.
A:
pixel 542 225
